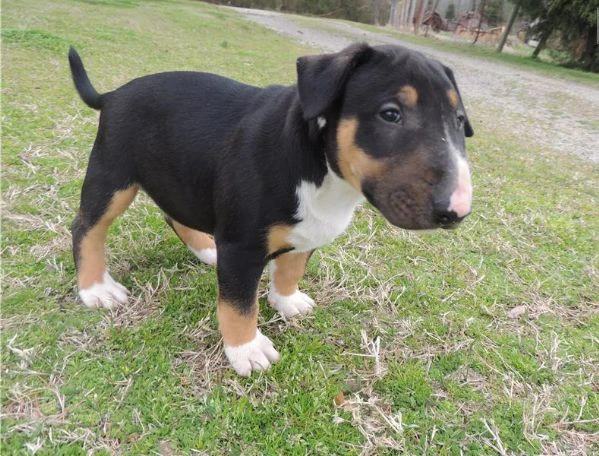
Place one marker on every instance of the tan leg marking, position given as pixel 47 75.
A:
pixel 289 270
pixel 285 273
pixel 236 328
pixel 355 164
pixel 276 238
pixel 193 238
pixel 454 99
pixel 92 259
pixel 408 95
pixel 246 348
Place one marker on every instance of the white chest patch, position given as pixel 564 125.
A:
pixel 325 212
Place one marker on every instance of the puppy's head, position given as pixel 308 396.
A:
pixel 394 124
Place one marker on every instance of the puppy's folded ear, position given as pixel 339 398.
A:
pixel 468 131
pixel 322 78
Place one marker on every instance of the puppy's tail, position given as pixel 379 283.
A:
pixel 82 83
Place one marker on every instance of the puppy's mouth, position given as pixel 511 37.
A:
pixel 450 226
pixel 403 211
pixel 409 210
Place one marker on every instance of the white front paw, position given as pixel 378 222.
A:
pixel 107 293
pixel 258 354
pixel 297 303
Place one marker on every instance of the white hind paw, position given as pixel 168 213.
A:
pixel 107 293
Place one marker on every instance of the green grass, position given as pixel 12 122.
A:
pixel 518 59
pixel 457 371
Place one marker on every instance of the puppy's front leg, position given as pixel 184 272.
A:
pixel 285 273
pixel 239 270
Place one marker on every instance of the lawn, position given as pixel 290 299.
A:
pixel 481 340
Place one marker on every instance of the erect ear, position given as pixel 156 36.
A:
pixel 321 78
pixel 468 131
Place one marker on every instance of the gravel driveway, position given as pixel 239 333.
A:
pixel 549 112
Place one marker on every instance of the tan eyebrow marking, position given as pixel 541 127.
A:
pixel 408 95
pixel 453 98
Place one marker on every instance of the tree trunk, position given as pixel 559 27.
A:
pixel 589 58
pixel 377 12
pixel 480 21
pixel 411 11
pixel 418 18
pixel 508 29
pixel 542 42
pixel 404 12
pixel 393 13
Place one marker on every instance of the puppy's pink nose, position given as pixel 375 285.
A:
pixel 460 200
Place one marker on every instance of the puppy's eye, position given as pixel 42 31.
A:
pixel 461 120
pixel 390 114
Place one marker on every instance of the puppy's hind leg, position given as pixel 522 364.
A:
pixel 200 244
pixel 103 199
